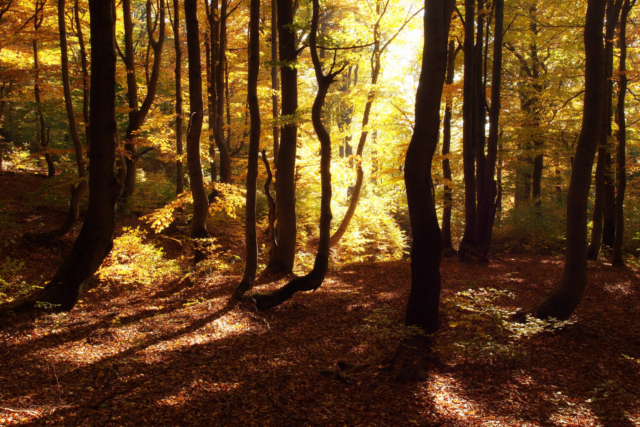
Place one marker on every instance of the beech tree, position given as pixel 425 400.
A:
pixel 426 249
pixel 568 294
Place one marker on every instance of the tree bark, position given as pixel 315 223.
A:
pixel 480 120
pixel 314 279
pixel 275 84
pixel 96 237
pixel 251 238
pixel 447 247
pixel 194 166
pixel 487 205
pixel 286 229
pixel 179 109
pixel 603 174
pixel 223 147
pixel 618 258
pixel 426 250
pixel 468 155
pixel 565 298
pixel 138 114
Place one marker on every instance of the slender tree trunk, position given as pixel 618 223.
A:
pixel 179 112
pixel 275 84
pixel 602 174
pixel 43 135
pixel 283 257
pixel 251 238
pixel 96 237
pixel 138 114
pixel 85 71
pixel 211 109
pixel 194 166
pixel 487 205
pixel 468 155
pixel 223 147
pixel 78 190
pixel 422 307
pixel 447 247
pixel 314 279
pixel 565 298
pixel 618 258
pixel 480 120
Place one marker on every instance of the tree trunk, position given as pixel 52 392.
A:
pixel 618 258
pixel 77 191
pixel 85 71
pixel 138 116
pixel 286 229
pixel 468 155
pixel 422 307
pixel 314 279
pixel 447 247
pixel 480 120
pixel 43 134
pixel 196 179
pixel 487 205
pixel 251 238
pixel 179 112
pixel 223 148
pixel 275 84
pixel 96 237
pixel 603 178
pixel 565 298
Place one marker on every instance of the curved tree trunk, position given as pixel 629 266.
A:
pixel 283 256
pixel 565 298
pixel 194 166
pixel 618 258
pixel 422 307
pixel 179 112
pixel 96 237
pixel 138 114
pixel 447 247
pixel 314 279
pixel 251 237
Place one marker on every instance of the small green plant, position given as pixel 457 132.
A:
pixel 382 330
pixel 12 284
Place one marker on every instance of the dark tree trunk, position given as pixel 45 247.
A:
pixel 487 205
pixel 96 237
pixel 78 190
pixel 565 298
pixel 283 257
pixel 194 166
pixel 447 247
pixel 223 147
pixel 479 120
pixel 251 238
pixel 468 242
pixel 426 250
pixel 618 258
pixel 314 279
pixel 85 71
pixel 603 176
pixel 179 112
pixel 275 84
pixel 137 115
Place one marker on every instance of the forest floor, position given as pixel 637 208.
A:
pixel 175 352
